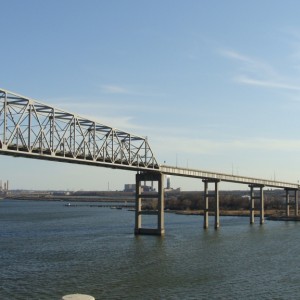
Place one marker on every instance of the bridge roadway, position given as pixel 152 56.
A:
pixel 206 175
pixel 164 169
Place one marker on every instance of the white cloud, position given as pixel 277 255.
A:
pixel 255 72
pixel 115 89
pixel 124 123
pixel 131 90
pixel 250 64
pixel 237 56
pixel 265 83
pixel 103 105
pixel 117 114
pixel 109 114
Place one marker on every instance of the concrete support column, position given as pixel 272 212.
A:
pixel 262 203
pixel 138 206
pixel 160 228
pixel 287 203
pixel 251 204
pixel 161 206
pixel 260 197
pixel 205 211
pixel 214 195
pixel 296 203
pixel 217 206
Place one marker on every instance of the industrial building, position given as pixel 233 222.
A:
pixel 131 188
pixel 4 186
pixel 147 188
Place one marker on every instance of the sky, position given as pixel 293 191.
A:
pixel 214 85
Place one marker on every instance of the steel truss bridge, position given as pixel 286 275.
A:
pixel 32 129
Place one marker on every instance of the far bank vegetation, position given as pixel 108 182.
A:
pixel 229 200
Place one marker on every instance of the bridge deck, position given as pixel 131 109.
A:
pixel 169 170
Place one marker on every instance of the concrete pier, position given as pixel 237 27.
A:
pixel 296 202
pixel 288 201
pixel 260 197
pixel 160 229
pixel 252 197
pixel 205 210
pixel 262 205
pixel 214 195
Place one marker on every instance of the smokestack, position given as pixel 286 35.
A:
pixel 7 185
pixel 168 182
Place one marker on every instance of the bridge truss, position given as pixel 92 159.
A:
pixel 30 128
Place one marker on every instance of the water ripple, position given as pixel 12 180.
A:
pixel 48 250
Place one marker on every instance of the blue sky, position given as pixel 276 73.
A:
pixel 215 85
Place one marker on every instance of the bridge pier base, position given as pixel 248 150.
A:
pixel 288 203
pixel 260 196
pixel 214 195
pixel 160 229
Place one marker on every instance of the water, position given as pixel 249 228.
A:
pixel 48 250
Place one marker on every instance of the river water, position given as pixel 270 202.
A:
pixel 48 250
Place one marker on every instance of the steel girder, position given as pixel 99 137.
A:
pixel 31 128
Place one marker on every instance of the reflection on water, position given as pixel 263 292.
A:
pixel 48 250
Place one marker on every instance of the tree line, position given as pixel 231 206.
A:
pixel 273 199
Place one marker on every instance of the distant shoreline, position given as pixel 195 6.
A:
pixel 274 215
pixel 73 198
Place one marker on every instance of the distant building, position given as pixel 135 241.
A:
pixel 130 188
pixel 169 188
pixel 168 182
pixel 4 186
pixel 147 188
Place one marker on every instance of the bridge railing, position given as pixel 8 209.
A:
pixel 29 127
pixel 206 175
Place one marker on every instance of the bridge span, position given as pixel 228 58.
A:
pixel 32 129
pixel 194 173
